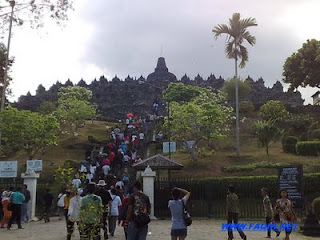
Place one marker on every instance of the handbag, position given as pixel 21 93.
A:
pixel 186 216
pixel 141 220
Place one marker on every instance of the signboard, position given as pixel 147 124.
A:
pixel 190 144
pixel 35 165
pixel 290 179
pixel 165 147
pixel 8 169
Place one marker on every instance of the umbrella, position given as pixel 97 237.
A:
pixel 129 114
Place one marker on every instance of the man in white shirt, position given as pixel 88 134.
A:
pixel 120 184
pixel 76 182
pixel 114 211
pixel 141 136
pixel 93 169
pixel 89 177
pixel 106 170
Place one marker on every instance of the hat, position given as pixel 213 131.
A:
pixel 101 183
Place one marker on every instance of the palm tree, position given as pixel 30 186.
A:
pixel 237 34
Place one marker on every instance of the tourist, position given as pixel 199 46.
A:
pixel 233 212
pixel 285 210
pixel 24 207
pixel 48 198
pixel 105 161
pixel 17 199
pixel 176 206
pixel 123 210
pixel 5 199
pixel 268 211
pixel 137 218
pixel 120 184
pixel 60 204
pixel 125 179
pixel 89 177
pixel 106 200
pixel 114 211
pixel 90 214
pixel 106 169
pixel 66 201
pixel 76 182
pixel 73 214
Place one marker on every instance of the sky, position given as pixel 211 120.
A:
pixel 126 37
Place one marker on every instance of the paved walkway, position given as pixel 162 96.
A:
pixel 158 230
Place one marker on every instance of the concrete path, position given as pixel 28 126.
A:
pixel 158 230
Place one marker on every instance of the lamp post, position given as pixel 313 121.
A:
pixel 168 112
pixel 5 74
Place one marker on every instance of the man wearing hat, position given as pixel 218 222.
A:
pixel 106 199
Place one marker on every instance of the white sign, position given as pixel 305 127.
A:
pixel 8 169
pixel 190 144
pixel 165 147
pixel 35 165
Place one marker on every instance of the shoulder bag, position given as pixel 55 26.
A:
pixel 186 216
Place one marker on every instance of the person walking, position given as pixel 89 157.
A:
pixel 114 205
pixel 233 212
pixel 6 213
pixel 176 206
pixel 123 211
pixel 137 219
pixel 60 204
pixel 73 214
pixel 24 207
pixel 268 212
pixel 106 200
pixel 17 199
pixel 48 198
pixel 90 214
pixel 66 202
pixel 285 210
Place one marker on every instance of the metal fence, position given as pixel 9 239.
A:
pixel 208 200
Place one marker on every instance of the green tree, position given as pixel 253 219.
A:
pixel 246 107
pixel 266 132
pixel 237 33
pixel 47 107
pixel 28 131
pixel 74 107
pixel 301 69
pixel 3 57
pixel 180 92
pixel 274 111
pixel 203 118
pixel 244 90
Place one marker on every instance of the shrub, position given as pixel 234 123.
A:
pixel 308 148
pixel 250 167
pixel 246 107
pixel 289 144
pixel 315 135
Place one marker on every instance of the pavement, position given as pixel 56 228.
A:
pixel 158 230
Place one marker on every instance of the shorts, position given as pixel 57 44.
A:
pixel 179 232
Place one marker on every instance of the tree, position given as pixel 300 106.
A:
pixel 180 92
pixel 237 34
pixel 35 12
pixel 246 107
pixel 28 131
pixel 301 69
pixel 47 107
pixel 203 118
pixel 74 107
pixel 274 111
pixel 244 90
pixel 266 132
pixel 3 56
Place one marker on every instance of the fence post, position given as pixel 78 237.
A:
pixel 30 179
pixel 148 187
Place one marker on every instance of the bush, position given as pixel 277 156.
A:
pixel 250 167
pixel 246 107
pixel 316 207
pixel 308 148
pixel 315 135
pixel 289 144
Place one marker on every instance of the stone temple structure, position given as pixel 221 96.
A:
pixel 116 97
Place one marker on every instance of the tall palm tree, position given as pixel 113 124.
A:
pixel 237 34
